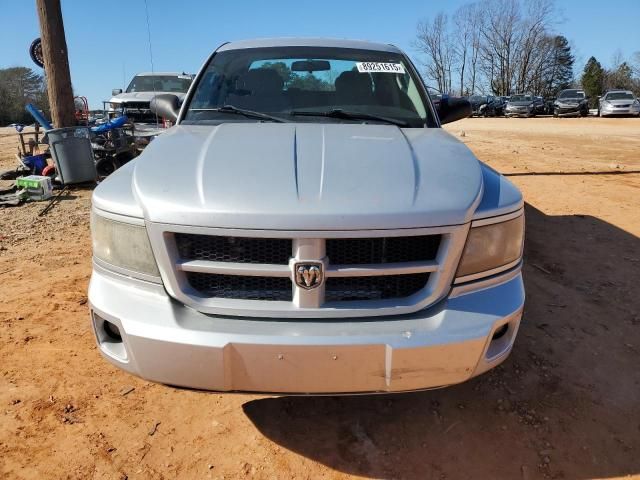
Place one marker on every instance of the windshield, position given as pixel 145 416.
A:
pixel 284 81
pixel 160 83
pixel 571 94
pixel 520 98
pixel 619 96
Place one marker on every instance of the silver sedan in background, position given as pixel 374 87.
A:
pixel 520 105
pixel 618 102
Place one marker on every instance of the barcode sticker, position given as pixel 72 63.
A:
pixel 366 67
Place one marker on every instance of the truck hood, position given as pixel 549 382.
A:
pixel 140 96
pixel 307 177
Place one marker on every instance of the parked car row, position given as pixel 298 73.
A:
pixel 568 103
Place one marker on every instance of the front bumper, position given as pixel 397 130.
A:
pixel 512 112
pixel 167 342
pixel 632 110
pixel 569 110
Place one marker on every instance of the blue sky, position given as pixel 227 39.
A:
pixel 107 40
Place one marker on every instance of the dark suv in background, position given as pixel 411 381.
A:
pixel 493 108
pixel 571 103
pixel 477 102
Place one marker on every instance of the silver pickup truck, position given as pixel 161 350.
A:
pixel 134 102
pixel 307 227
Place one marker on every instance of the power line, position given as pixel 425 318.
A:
pixel 146 9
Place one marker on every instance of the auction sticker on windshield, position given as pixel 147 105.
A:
pixel 375 67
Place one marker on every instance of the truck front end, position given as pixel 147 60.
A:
pixel 266 250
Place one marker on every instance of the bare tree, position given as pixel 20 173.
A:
pixel 475 47
pixel 533 48
pixel 467 45
pixel 617 58
pixel 635 64
pixel 435 43
pixel 502 46
pixel 499 43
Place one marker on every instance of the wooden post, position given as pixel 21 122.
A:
pixel 56 63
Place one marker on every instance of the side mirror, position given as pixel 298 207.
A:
pixel 452 109
pixel 116 91
pixel 165 106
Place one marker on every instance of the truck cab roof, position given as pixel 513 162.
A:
pixel 308 42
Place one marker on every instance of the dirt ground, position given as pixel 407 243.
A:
pixel 566 404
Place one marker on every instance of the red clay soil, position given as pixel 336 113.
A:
pixel 566 404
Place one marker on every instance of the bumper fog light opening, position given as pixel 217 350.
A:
pixel 109 338
pixel 112 331
pixel 500 332
pixel 501 341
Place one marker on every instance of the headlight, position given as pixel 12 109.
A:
pixel 490 247
pixel 123 245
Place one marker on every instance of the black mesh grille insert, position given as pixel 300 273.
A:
pixel 358 251
pixel 241 287
pixel 233 249
pixel 346 289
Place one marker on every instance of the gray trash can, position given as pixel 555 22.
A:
pixel 71 151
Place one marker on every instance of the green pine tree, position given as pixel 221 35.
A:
pixel 592 80
pixel 563 60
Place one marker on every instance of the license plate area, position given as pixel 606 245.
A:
pixel 305 369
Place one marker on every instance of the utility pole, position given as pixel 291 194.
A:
pixel 56 63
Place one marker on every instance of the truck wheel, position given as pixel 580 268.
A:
pixel 106 166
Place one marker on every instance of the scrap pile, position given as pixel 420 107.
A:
pixel 50 158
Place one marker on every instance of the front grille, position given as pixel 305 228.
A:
pixel 241 287
pixel 136 105
pixel 275 251
pixel 349 289
pixel 362 276
pixel 361 251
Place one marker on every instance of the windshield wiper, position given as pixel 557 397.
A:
pixel 241 111
pixel 349 115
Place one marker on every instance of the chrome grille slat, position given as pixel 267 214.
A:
pixel 225 268
pixel 372 270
